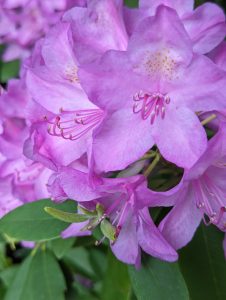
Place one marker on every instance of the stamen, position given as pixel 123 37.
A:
pixel 150 105
pixel 72 125
pixel 210 196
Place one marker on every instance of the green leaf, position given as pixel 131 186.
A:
pixel 61 246
pixel 8 275
pixel 66 216
pixel 131 3
pixel 108 229
pixel 31 223
pixel 116 283
pixel 158 280
pixel 9 70
pixel 203 265
pixel 38 278
pixel 79 260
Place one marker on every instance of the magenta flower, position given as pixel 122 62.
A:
pixel 62 116
pixel 152 99
pixel 21 179
pixel 23 22
pixel 97 28
pixel 205 25
pixel 121 199
pixel 201 195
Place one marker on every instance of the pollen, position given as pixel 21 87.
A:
pixel 71 73
pixel 160 63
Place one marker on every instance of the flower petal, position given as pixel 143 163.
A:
pixel 180 136
pixel 126 246
pixel 123 138
pixel 206 27
pixel 151 240
pixel 179 226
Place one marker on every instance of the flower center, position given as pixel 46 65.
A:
pixel 72 125
pixel 150 105
pixel 210 201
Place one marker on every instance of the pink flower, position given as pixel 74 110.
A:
pixel 23 22
pixel 97 28
pixel 201 196
pixel 62 116
pixel 21 179
pixel 149 97
pixel 122 203
pixel 205 25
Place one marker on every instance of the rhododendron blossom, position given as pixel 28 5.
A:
pixel 118 116
pixel 121 201
pixel 202 196
pixel 21 179
pixel 153 95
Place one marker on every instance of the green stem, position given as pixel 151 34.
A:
pixel 152 165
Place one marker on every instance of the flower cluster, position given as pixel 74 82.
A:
pixel 122 110
pixel 22 22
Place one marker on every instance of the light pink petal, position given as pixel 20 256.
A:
pixel 126 246
pixel 218 55
pixel 208 92
pixel 206 27
pixel 180 136
pixel 151 240
pixel 110 86
pixel 57 52
pixel 179 226
pixel 181 6
pixel 156 199
pixel 54 95
pixel 76 185
pixel 123 138
pixel 213 154
pixel 158 44
pixel 99 26
pixel 75 230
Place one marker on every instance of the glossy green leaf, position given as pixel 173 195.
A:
pixel 7 276
pixel 78 259
pixel 157 279
pixel 9 70
pixel 66 216
pixel 203 265
pixel 38 278
pixel 131 3
pixel 61 246
pixel 30 222
pixel 116 283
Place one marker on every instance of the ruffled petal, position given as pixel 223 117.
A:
pixel 206 27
